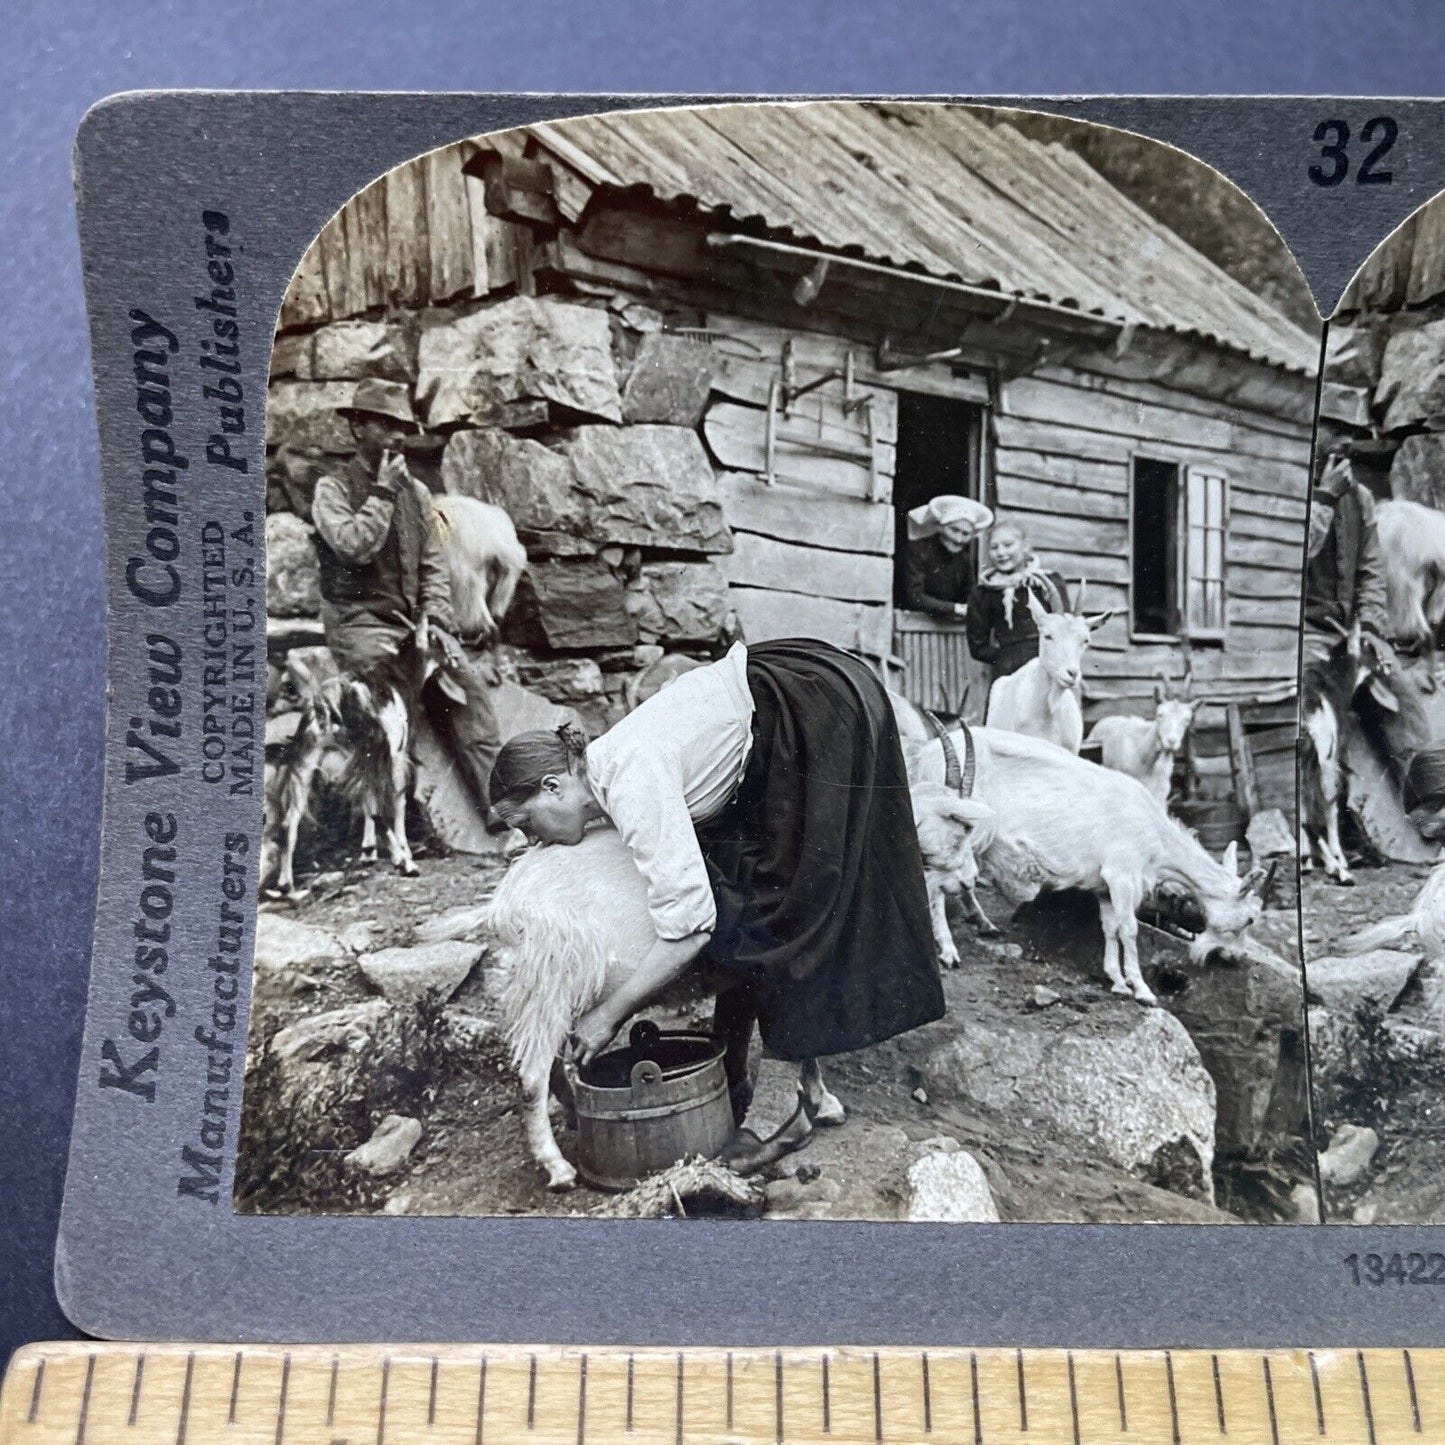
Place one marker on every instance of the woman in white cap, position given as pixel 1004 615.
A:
pixel 937 570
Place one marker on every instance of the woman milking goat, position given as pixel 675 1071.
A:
pixel 765 803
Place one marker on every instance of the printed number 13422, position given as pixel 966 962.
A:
pixel 1396 1268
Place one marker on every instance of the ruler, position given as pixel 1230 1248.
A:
pixel 176 1394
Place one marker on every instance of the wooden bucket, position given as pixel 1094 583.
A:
pixel 662 1099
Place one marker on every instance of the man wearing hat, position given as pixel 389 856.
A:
pixel 937 570
pixel 383 573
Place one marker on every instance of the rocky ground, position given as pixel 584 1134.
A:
pixel 1039 1097
pixel 1377 1027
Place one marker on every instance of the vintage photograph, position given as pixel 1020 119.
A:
pixel 783 626
pixel 1372 748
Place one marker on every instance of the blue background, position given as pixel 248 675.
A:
pixel 59 58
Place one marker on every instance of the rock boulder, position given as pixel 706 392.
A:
pixel 669 380
pixel 572 605
pixel 1351 1148
pixel 525 348
pixel 286 945
pixel 949 1188
pixel 679 602
pixel 1412 378
pixel 293 571
pixel 388 1148
pixel 305 415
pixel 1379 977
pixel 407 975
pixel 1130 1087
pixel 648 486
pixel 352 350
pixel 1417 473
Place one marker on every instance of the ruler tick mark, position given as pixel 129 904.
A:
pixel 140 1365
pixel 381 1406
pixel 877 1398
pixel 1218 1395
pixel 1023 1395
pixel 185 1399
pixel 1173 1396
pixel 827 1401
pixel 778 1396
pixel 1269 1398
pixel 1365 1395
pixel 582 1400
pixel 630 1364
pixel 927 1399
pixel 85 1401
pixel 532 1393
pixel 1319 1394
pixel 973 1390
pixel 236 1388
pixel 1410 1385
pixel 481 1401
pixel 35 1390
pixel 1073 1397
pixel 680 1367
pixel 281 1403
pixel 1119 1390
pixel 330 1393
pixel 431 1399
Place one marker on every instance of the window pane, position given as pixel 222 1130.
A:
pixel 1196 554
pixel 1196 501
pixel 1214 556
pixel 1215 514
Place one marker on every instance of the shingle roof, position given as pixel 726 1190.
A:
pixel 932 188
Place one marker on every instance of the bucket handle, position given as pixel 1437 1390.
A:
pixel 646 1072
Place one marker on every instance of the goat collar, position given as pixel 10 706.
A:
pixel 959 779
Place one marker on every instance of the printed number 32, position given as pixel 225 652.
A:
pixel 1334 135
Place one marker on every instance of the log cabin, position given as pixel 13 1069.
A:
pixel 710 357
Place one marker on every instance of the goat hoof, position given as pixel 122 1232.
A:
pixel 831 1112
pixel 367 860
pixel 1144 996
pixel 990 930
pixel 1121 988
pixel 1345 880
pixel 408 869
pixel 559 1181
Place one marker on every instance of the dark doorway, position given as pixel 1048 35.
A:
pixel 939 450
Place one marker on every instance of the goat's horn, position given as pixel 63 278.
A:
pixel 1079 596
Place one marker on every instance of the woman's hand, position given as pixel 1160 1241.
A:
pixel 593 1032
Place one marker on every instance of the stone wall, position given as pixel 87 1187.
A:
pixel 581 420
pixel 1385 394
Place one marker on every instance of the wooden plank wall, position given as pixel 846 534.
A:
pixel 418 236
pixel 1065 440
pixel 812 552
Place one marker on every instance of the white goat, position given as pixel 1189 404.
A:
pixel 1147 748
pixel 485 561
pixel 1043 698
pixel 1412 549
pixel 950 831
pixel 1062 822
pixel 571 924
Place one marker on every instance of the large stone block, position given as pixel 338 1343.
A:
pixel 408 975
pixel 1133 1091
pixel 1353 355
pixel 305 415
pixel 574 605
pixel 1378 977
pixel 648 486
pixel 291 478
pixel 1418 471
pixel 522 349
pixel 352 350
pixel 293 571
pixel 669 382
pixel 534 486
pixel 1412 378
pixel 679 602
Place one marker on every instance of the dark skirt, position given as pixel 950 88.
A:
pixel 822 908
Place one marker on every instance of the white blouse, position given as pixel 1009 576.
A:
pixel 677 760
